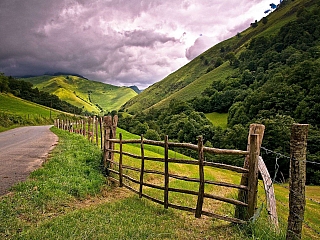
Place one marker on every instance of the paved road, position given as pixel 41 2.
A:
pixel 22 150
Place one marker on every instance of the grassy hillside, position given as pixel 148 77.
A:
pixel 192 79
pixel 16 112
pixel 91 95
pixel 218 119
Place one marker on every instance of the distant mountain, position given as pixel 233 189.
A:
pixel 51 74
pixel 136 89
pixel 92 96
pixel 65 73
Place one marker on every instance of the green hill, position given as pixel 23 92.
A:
pixel 93 96
pixel 15 112
pixel 211 66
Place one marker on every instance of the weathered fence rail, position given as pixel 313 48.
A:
pixel 201 180
pixel 115 171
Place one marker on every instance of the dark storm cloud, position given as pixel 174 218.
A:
pixel 116 41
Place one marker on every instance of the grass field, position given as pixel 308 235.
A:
pixel 18 112
pixel 68 198
pixel 14 105
pixel 218 119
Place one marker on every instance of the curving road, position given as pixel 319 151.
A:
pixel 22 150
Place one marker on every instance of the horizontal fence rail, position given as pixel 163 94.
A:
pixel 104 129
pixel 115 172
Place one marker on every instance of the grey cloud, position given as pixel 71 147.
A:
pixel 199 46
pixel 119 42
pixel 145 38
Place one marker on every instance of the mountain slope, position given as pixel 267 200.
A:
pixel 192 79
pixel 93 96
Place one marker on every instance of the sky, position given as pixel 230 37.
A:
pixel 120 42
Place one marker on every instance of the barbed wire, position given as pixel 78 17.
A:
pixel 277 157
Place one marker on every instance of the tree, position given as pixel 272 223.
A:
pixel 152 135
pixel 264 20
pixel 4 83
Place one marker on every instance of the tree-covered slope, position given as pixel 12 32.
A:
pixel 268 74
pixel 93 96
pixel 192 79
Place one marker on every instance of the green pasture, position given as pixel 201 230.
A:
pixel 18 106
pixel 218 119
pixel 84 93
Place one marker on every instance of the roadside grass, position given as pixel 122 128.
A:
pixel 69 198
pixel 218 119
pixel 72 173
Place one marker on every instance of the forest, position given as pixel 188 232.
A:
pixel 276 83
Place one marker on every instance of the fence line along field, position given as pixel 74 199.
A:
pixel 165 177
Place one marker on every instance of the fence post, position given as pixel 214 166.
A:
pixel 101 132
pixel 89 129
pixel 113 133
pixel 107 123
pixel 120 162
pixel 110 127
pixel 241 212
pixel 96 130
pixel 166 173
pixel 201 178
pixel 253 175
pixel 83 123
pixel 142 167
pixel 297 201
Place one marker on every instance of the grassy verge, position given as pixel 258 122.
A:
pixel 70 175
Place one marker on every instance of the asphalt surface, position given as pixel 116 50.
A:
pixel 22 150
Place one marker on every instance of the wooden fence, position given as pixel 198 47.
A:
pixel 116 169
pixel 103 130
pixel 90 127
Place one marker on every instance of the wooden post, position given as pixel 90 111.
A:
pixel 297 200
pixel 110 127
pixel 142 167
pixel 101 132
pixel 113 133
pixel 96 130
pixel 201 178
pixel 270 196
pixel 166 173
pixel 83 127
pixel 89 128
pixel 120 162
pixel 241 212
pixel 107 123
pixel 253 175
